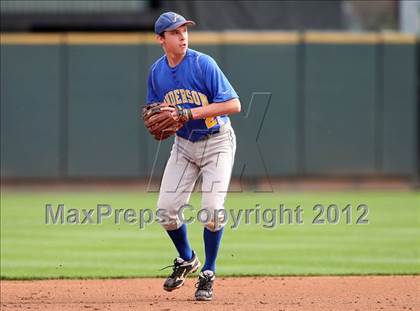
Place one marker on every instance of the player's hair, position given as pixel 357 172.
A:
pixel 162 34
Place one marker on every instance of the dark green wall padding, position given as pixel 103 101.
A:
pixel 103 99
pixel 71 111
pixel 31 93
pixel 399 131
pixel 339 113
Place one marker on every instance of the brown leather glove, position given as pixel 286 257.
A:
pixel 163 119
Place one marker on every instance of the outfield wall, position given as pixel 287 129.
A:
pixel 323 104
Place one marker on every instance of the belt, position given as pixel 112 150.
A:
pixel 221 129
pixel 224 128
pixel 207 136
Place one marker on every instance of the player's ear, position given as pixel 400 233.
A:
pixel 160 38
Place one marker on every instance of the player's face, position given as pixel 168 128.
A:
pixel 176 41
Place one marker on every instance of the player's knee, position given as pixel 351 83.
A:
pixel 167 216
pixel 217 220
pixel 170 225
pixel 169 221
pixel 214 226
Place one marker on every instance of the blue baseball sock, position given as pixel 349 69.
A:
pixel 180 239
pixel 211 246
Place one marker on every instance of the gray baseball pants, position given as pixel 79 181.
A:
pixel 213 159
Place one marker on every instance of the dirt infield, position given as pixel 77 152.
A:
pixel 250 293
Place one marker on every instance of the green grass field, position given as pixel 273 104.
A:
pixel 388 244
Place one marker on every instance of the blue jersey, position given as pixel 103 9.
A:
pixel 196 81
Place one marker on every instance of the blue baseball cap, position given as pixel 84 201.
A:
pixel 170 21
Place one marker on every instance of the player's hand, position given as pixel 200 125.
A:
pixel 182 114
pixel 163 120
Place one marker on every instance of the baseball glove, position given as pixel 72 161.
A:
pixel 163 119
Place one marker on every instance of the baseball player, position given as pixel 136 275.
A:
pixel 196 98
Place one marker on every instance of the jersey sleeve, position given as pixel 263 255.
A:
pixel 215 80
pixel 151 91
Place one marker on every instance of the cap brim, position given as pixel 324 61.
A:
pixel 179 24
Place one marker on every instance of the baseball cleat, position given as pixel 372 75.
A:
pixel 204 286
pixel 181 269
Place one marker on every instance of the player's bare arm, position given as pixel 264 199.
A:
pixel 228 107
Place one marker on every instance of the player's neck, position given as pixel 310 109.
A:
pixel 174 59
